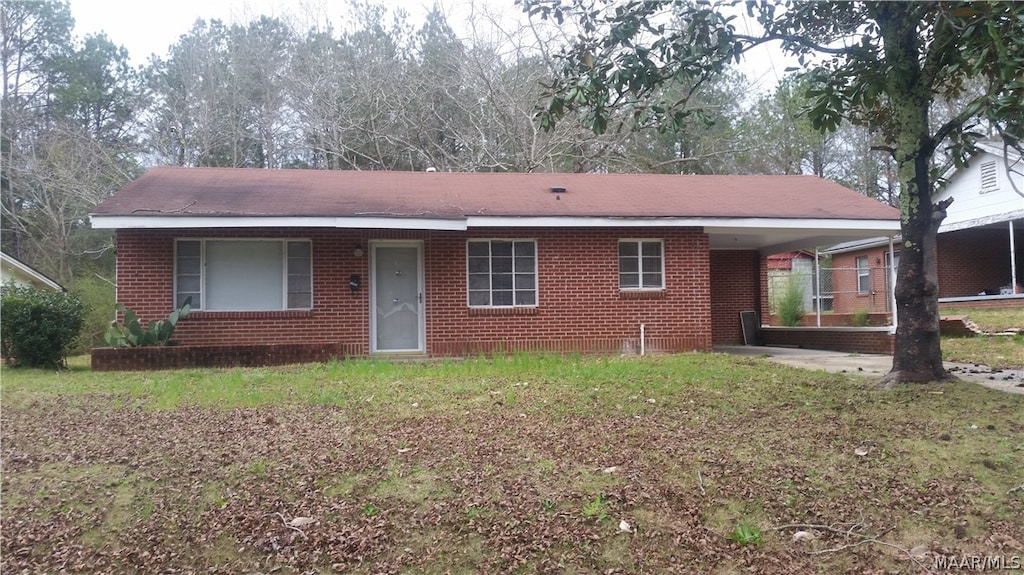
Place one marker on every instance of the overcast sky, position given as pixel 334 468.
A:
pixel 148 27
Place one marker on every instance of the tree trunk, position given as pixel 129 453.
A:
pixel 917 357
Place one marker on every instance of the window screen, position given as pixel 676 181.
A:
pixel 502 273
pixel 641 265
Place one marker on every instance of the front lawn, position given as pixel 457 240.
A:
pixel 995 351
pixel 991 320
pixel 693 463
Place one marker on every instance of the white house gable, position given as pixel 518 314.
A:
pixel 984 193
pixel 13 271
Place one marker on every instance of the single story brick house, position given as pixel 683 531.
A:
pixel 449 264
pixel 979 248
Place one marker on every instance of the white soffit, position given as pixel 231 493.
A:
pixel 724 233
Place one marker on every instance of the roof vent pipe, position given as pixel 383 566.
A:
pixel 558 190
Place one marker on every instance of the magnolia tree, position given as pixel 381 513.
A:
pixel 883 65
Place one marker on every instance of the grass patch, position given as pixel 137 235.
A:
pixel 990 320
pixel 746 533
pixel 518 464
pixel 995 351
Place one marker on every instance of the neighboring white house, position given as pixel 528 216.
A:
pixel 13 270
pixel 990 190
pixel 980 241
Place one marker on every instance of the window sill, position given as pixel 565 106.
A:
pixel 503 311
pixel 643 294
pixel 278 314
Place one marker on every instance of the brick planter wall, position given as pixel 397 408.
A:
pixel 850 339
pixel 187 356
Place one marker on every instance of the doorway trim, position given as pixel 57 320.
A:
pixel 421 300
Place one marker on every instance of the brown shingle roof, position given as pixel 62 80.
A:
pixel 172 191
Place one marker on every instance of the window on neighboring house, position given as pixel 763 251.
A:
pixel 244 275
pixel 989 177
pixel 501 273
pixel 641 265
pixel 863 275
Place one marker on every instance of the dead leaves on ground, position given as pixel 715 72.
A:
pixel 101 484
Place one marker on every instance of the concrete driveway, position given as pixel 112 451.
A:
pixel 871 365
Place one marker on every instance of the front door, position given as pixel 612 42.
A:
pixel 396 297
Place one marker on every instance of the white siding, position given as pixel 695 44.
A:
pixel 973 204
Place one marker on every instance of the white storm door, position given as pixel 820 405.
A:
pixel 396 297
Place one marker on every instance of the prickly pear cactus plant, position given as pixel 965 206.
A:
pixel 131 332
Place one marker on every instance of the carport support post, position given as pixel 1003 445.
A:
pixel 1013 262
pixel 817 282
pixel 892 284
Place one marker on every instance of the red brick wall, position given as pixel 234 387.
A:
pixel 145 264
pixel 579 302
pixel 185 356
pixel 852 340
pixel 845 297
pixel 737 284
pixel 970 261
pixel 580 305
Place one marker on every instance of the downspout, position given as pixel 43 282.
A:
pixel 892 285
pixel 1013 262
pixel 817 282
pixel 643 345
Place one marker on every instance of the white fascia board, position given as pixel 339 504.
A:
pixel 726 225
pixel 979 222
pixel 710 225
pixel 177 222
pixel 579 222
pixel 453 225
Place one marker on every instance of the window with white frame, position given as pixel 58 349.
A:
pixel 641 265
pixel 989 177
pixel 501 273
pixel 244 275
pixel 863 275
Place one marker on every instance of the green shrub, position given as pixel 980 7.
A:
pixel 791 305
pixel 134 334
pixel 861 318
pixel 39 327
pixel 98 295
